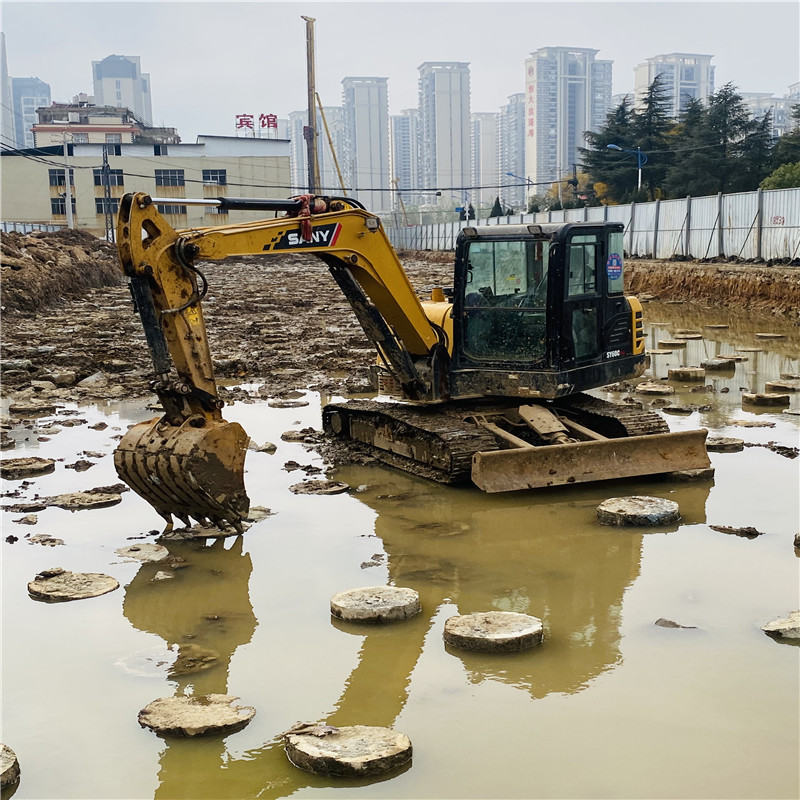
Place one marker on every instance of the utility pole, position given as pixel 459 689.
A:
pixel 310 131
pixel 67 187
pixel 106 174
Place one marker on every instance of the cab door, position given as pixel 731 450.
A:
pixel 582 321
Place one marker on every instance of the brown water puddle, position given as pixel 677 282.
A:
pixel 611 705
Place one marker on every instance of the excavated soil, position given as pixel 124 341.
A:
pixel 282 319
pixel 69 331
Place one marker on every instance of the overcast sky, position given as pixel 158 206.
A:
pixel 209 61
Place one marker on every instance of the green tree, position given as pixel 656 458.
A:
pixel 695 156
pixel 652 126
pixel 497 208
pixel 605 166
pixel 786 176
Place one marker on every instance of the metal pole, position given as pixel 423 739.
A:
pixel 67 187
pixel 311 144
pixel 639 164
pixel 106 173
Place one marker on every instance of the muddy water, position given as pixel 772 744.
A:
pixel 610 706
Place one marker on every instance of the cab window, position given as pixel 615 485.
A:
pixel 582 253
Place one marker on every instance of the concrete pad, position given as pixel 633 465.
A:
pixel 16 468
pixel 765 399
pixel 352 751
pixel 375 604
pixel 195 716
pixel 788 628
pixel 494 632
pixel 58 585
pixel 638 510
pixel 9 767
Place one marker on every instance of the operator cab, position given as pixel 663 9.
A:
pixel 539 310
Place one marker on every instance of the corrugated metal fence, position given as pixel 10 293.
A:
pixel 762 225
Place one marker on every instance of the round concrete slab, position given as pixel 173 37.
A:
pixel 319 487
pixel 719 364
pixel 143 552
pixel 15 468
pixel 58 585
pixel 353 751
pixel 494 631
pixel 9 766
pixel 765 399
pixel 77 501
pixel 195 716
pixel 788 628
pixel 687 374
pixel 638 510
pixel 375 604
pixel 724 444
pixel 650 387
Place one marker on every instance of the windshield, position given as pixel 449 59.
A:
pixel 505 297
pixel 507 274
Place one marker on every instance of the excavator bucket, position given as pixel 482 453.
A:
pixel 583 462
pixel 187 471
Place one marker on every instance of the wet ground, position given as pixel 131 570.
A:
pixel 611 705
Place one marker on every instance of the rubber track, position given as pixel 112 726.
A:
pixel 632 421
pixel 441 431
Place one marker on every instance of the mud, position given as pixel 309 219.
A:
pixel 774 289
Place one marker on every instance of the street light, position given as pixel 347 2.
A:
pixel 641 159
pixel 528 181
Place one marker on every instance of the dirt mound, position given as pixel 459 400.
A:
pixel 43 269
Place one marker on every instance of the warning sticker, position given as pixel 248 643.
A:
pixel 614 266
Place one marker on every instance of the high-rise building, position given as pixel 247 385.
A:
pixel 119 81
pixel 404 156
pixel 28 94
pixel 759 104
pixel 568 92
pixel 365 155
pixel 485 178
pixel 444 109
pixel 511 152
pixel 684 76
pixel 8 136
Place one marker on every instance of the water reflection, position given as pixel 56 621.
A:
pixel 204 612
pixel 541 554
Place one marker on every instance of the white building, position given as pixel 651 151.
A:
pixel 444 108
pixel 404 156
pixel 685 76
pixel 511 152
pixel 568 92
pixel 119 81
pixel 485 177
pixel 759 104
pixel 365 156
pixel 34 190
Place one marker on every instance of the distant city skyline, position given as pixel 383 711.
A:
pixel 255 58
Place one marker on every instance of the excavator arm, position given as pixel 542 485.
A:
pixel 190 461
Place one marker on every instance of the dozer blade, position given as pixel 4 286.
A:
pixel 583 462
pixel 187 471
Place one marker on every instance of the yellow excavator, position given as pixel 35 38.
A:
pixel 491 374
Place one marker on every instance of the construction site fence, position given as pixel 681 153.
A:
pixel 752 226
pixel 28 227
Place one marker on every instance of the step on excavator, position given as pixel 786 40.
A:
pixel 485 383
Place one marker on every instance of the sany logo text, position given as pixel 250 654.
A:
pixel 321 236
